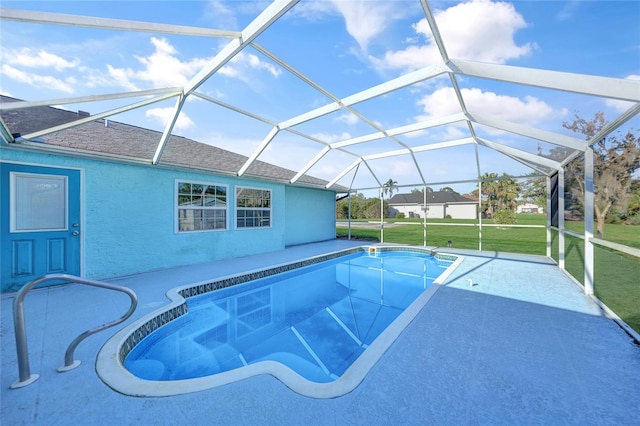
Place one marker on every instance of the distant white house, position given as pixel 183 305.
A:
pixel 529 208
pixel 439 205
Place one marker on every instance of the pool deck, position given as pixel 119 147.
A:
pixel 523 345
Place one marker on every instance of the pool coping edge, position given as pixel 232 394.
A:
pixel 110 367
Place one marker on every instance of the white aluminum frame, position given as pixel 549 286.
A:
pixel 455 69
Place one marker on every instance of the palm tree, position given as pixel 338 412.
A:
pixel 500 193
pixel 389 187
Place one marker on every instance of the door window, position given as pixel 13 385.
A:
pixel 38 202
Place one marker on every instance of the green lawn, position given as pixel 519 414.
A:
pixel 617 276
pixel 627 235
pixel 509 239
pixel 616 281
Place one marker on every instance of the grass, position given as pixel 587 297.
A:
pixel 616 280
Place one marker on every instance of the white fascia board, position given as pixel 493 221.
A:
pixel 607 87
pixel 34 17
pixel 168 130
pixel 310 164
pixel 440 145
pixel 265 142
pixel 397 83
pixel 343 173
pixel 263 21
pixel 173 91
pixel 518 153
pixel 531 132
pixel 98 116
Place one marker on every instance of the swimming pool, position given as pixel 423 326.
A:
pixel 318 325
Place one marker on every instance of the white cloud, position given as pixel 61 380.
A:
pixel 26 57
pixel 222 16
pixel 243 62
pixel 16 60
pixel 164 115
pixel 401 168
pixel 366 19
pixel 568 10
pixel 313 10
pixel 443 102
pixel 348 118
pixel 36 80
pixel 441 133
pixel 622 106
pixel 122 77
pixel 164 69
pixel 478 30
pixel 243 146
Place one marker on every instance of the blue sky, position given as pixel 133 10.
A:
pixel 345 47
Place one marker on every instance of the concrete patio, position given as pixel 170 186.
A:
pixel 521 346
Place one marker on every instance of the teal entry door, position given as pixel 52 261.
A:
pixel 40 223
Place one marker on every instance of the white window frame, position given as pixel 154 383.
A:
pixel 13 205
pixel 178 208
pixel 238 208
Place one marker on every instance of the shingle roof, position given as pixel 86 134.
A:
pixel 433 197
pixel 137 143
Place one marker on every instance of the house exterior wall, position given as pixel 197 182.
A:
pixel 529 208
pixel 406 209
pixel 437 211
pixel 310 215
pixel 129 216
pixel 462 211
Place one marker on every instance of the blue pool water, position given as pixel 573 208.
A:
pixel 315 320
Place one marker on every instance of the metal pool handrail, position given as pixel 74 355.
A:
pixel 25 376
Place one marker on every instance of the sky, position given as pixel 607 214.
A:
pixel 344 46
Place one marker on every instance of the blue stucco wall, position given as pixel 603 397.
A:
pixel 129 223
pixel 310 215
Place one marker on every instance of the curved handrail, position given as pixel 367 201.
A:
pixel 25 377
